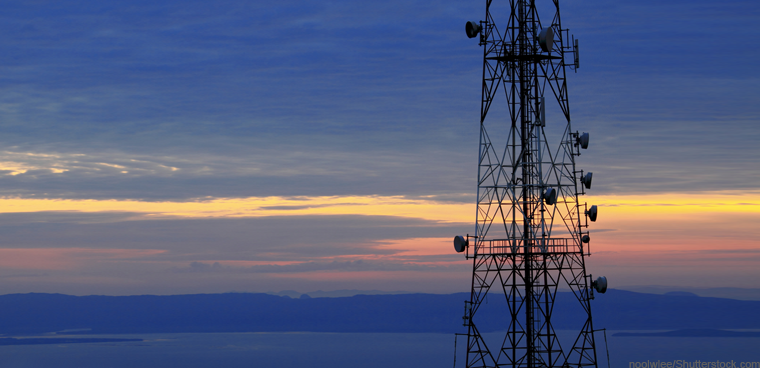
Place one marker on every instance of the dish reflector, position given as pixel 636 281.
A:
pixel 600 284
pixel 550 196
pixel 591 212
pixel 586 180
pixel 546 39
pixel 472 29
pixel 586 239
pixel 460 243
pixel 583 140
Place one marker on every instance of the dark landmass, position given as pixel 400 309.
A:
pixel 336 293
pixel 680 293
pixel 56 340
pixel 721 292
pixel 691 333
pixel 243 312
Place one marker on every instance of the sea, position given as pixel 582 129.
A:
pixel 344 350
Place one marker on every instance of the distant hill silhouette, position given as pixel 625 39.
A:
pixel 691 333
pixel 241 312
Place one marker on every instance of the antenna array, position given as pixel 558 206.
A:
pixel 531 236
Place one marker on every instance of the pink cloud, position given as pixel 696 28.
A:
pixel 66 258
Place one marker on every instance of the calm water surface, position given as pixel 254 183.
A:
pixel 337 350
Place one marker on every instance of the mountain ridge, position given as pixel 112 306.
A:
pixel 37 313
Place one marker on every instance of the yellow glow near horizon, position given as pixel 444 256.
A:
pixel 258 207
pixel 617 206
pixel 676 222
pixel 672 203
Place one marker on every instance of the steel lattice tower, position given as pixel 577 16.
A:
pixel 531 230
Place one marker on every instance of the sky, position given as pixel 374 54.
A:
pixel 170 147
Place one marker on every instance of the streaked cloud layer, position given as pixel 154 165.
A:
pixel 336 242
pixel 427 209
pixel 184 146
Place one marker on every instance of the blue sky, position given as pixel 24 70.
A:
pixel 190 101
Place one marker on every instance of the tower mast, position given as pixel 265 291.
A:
pixel 531 235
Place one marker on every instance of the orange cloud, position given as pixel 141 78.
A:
pixel 66 258
pixel 627 223
pixel 676 222
pixel 420 246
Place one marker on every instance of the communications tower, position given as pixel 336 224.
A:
pixel 531 232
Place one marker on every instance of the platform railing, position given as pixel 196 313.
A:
pixel 516 246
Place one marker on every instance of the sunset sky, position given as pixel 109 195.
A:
pixel 168 147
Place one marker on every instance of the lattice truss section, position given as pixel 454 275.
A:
pixel 528 245
pixel 530 340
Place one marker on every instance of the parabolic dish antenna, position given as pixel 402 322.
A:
pixel 600 284
pixel 546 39
pixel 592 212
pixel 460 243
pixel 472 29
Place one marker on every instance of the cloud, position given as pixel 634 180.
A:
pixel 50 259
pixel 312 266
pixel 161 121
pixel 421 208
pixel 239 172
pixel 277 238
pixel 294 98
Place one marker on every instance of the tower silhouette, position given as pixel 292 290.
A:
pixel 531 235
